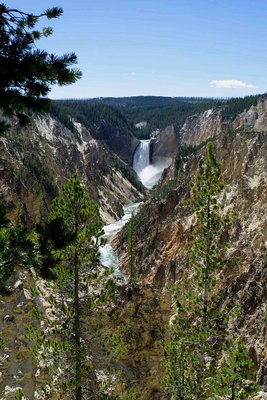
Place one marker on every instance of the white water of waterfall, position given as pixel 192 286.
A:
pixel 149 174
pixel 141 157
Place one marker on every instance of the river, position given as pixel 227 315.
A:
pixel 108 257
pixel 149 175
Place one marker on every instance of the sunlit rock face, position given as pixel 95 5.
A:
pixel 200 127
pixel 210 123
pixel 255 118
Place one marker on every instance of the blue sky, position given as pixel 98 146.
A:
pixel 209 48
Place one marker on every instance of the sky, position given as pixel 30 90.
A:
pixel 210 48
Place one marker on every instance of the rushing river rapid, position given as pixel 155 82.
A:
pixel 108 257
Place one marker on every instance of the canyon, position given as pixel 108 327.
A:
pixel 163 226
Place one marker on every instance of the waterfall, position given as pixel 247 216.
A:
pixel 141 157
pixel 149 174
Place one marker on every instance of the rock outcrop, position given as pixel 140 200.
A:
pixel 208 124
pixel 164 146
pixel 118 139
pixel 201 127
pixel 255 118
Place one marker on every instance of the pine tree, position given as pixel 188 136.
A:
pixel 207 254
pixel 235 379
pixel 26 72
pixel 198 331
pixel 17 248
pixel 77 294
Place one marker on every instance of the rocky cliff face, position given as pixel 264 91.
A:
pixel 37 160
pixel 208 124
pixel 255 118
pixel 200 127
pixel 164 225
pixel 119 139
pixel 164 146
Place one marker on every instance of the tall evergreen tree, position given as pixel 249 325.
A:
pixel 198 331
pixel 236 375
pixel 26 72
pixel 77 295
pixel 207 253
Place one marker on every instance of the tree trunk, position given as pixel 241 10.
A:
pixel 206 274
pixel 233 391
pixel 77 332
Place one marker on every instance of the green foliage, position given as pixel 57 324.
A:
pixel 114 342
pixel 26 72
pixel 36 176
pixel 162 191
pixel 232 107
pixel 182 154
pixel 53 237
pixel 19 395
pixel 61 114
pixel 206 257
pixel 79 293
pixel 75 208
pixel 182 349
pixel 206 253
pixel 17 248
pixel 233 132
pixel 236 375
pixel 128 173
pixel 158 111
pixel 131 394
pixel 96 117
pixel 125 112
pixel 2 341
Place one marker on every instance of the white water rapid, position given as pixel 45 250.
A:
pixel 108 257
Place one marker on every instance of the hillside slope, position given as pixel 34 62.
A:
pixel 37 160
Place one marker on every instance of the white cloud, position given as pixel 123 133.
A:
pixel 132 73
pixel 231 84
